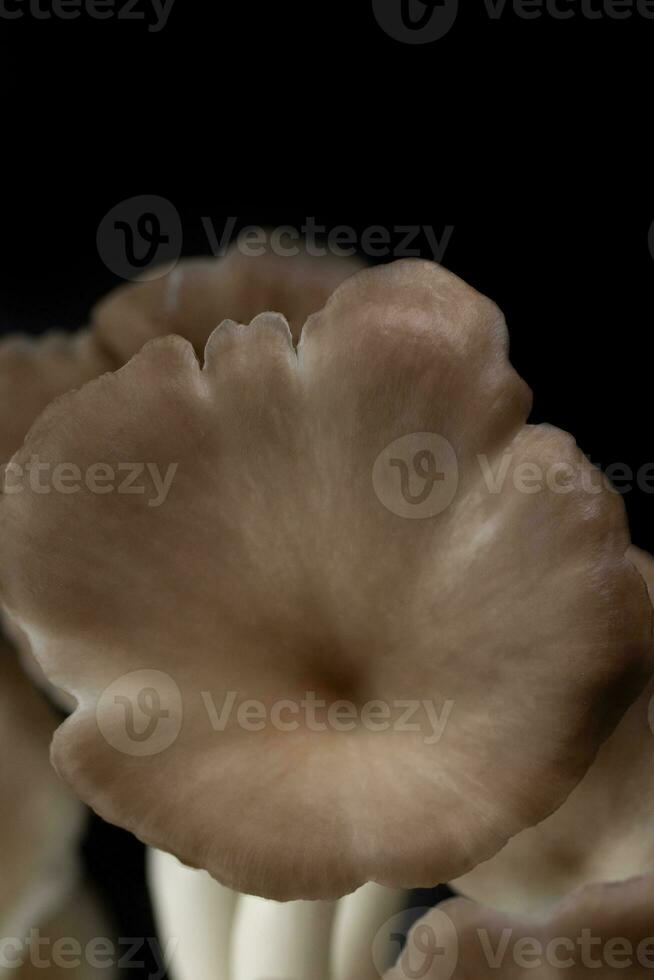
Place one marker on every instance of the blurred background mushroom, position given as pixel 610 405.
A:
pixel 45 898
pixel 602 930
pixel 78 942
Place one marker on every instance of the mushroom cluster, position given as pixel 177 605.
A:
pixel 331 619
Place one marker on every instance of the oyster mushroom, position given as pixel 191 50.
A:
pixel 281 571
pixel 601 931
pixel 603 832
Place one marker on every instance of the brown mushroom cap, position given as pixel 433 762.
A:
pixel 277 566
pixel 189 301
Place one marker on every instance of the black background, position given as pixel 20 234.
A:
pixel 531 138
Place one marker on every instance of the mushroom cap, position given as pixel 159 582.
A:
pixel 40 820
pixel 286 564
pixel 601 930
pixel 199 294
pixel 191 301
pixel 603 832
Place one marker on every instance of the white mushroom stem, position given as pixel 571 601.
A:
pixel 212 933
pixel 194 917
pixel 358 919
pixel 281 940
